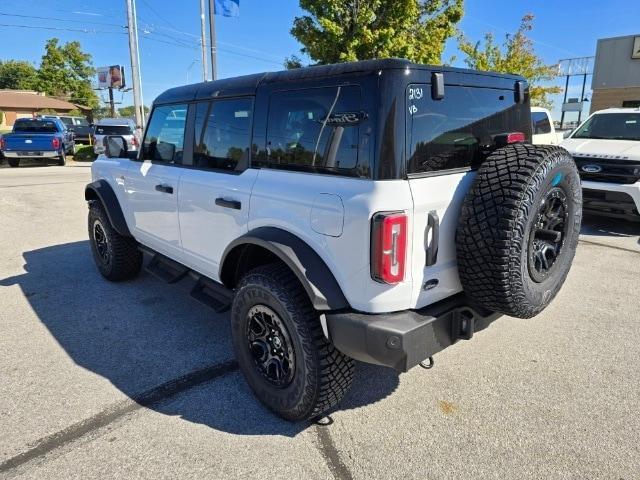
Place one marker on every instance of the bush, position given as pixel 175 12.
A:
pixel 84 154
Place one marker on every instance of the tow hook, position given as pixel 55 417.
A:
pixel 427 364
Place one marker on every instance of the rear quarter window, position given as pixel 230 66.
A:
pixel 315 129
pixel 458 131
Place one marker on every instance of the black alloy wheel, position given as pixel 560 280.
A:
pixel 270 346
pixel 548 234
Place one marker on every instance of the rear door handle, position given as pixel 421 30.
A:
pixel 433 226
pixel 235 204
pixel 164 188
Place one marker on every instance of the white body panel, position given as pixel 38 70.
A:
pixel 206 228
pixel 444 195
pixel 154 214
pixel 286 199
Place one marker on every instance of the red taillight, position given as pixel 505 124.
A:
pixel 2 143
pixel 135 142
pixel 388 247
pixel 515 137
pixel 55 143
pixel 93 139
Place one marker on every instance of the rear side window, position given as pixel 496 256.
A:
pixel 164 140
pixel 315 129
pixel 222 134
pixel 541 124
pixel 458 131
pixel 35 126
pixel 113 130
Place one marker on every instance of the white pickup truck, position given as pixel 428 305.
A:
pixel 606 148
pixel 544 133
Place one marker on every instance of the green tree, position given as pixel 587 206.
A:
pixel 66 72
pixel 18 75
pixel 130 112
pixel 516 55
pixel 347 30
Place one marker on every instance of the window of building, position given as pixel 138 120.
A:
pixel 222 134
pixel 631 104
pixel 315 129
pixel 164 140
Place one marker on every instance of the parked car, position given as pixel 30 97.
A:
pixel 378 211
pixel 123 127
pixel 41 138
pixel 606 148
pixel 80 127
pixel 544 131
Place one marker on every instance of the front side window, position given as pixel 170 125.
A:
pixel 164 140
pixel 541 124
pixel 222 134
pixel 458 131
pixel 315 129
pixel 611 126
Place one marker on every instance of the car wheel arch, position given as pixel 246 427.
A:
pixel 268 244
pixel 101 191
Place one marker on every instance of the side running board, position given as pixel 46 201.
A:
pixel 206 291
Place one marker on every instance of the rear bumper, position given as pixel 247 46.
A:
pixel 52 154
pixel 401 340
pixel 611 199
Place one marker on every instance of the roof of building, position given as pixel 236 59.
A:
pixel 31 100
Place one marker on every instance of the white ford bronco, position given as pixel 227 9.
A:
pixel 606 148
pixel 379 211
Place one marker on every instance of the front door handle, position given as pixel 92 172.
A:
pixel 164 188
pixel 235 204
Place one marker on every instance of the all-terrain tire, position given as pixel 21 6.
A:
pixel 521 192
pixel 321 374
pixel 13 162
pixel 117 257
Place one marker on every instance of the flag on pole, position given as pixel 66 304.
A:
pixel 227 8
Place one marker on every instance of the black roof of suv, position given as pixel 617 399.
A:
pixel 247 84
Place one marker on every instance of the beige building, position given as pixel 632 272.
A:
pixel 21 103
pixel 616 75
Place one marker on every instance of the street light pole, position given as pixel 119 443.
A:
pixel 203 41
pixel 134 53
pixel 212 34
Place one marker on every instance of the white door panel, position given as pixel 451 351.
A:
pixel 206 227
pixel 155 212
pixel 444 195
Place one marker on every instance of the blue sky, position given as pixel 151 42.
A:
pixel 259 39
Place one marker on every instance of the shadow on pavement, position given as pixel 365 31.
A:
pixel 610 227
pixel 144 333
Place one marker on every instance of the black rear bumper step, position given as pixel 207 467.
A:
pixel 402 340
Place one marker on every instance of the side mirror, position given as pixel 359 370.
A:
pixel 115 146
pixel 567 134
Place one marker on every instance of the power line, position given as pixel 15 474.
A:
pixel 77 30
pixel 4 14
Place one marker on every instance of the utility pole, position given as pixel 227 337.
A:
pixel 203 41
pixel 132 24
pixel 112 105
pixel 212 34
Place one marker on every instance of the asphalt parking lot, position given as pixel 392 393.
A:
pixel 137 380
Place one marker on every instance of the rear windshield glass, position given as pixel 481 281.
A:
pixel 113 130
pixel 68 121
pixel 611 126
pixel 458 131
pixel 35 126
pixel 80 122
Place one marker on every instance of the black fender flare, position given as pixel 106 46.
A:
pixel 312 272
pixel 102 191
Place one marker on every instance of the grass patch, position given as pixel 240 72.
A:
pixel 84 154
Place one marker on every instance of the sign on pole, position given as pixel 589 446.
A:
pixel 111 77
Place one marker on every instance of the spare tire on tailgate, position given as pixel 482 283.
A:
pixel 519 228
